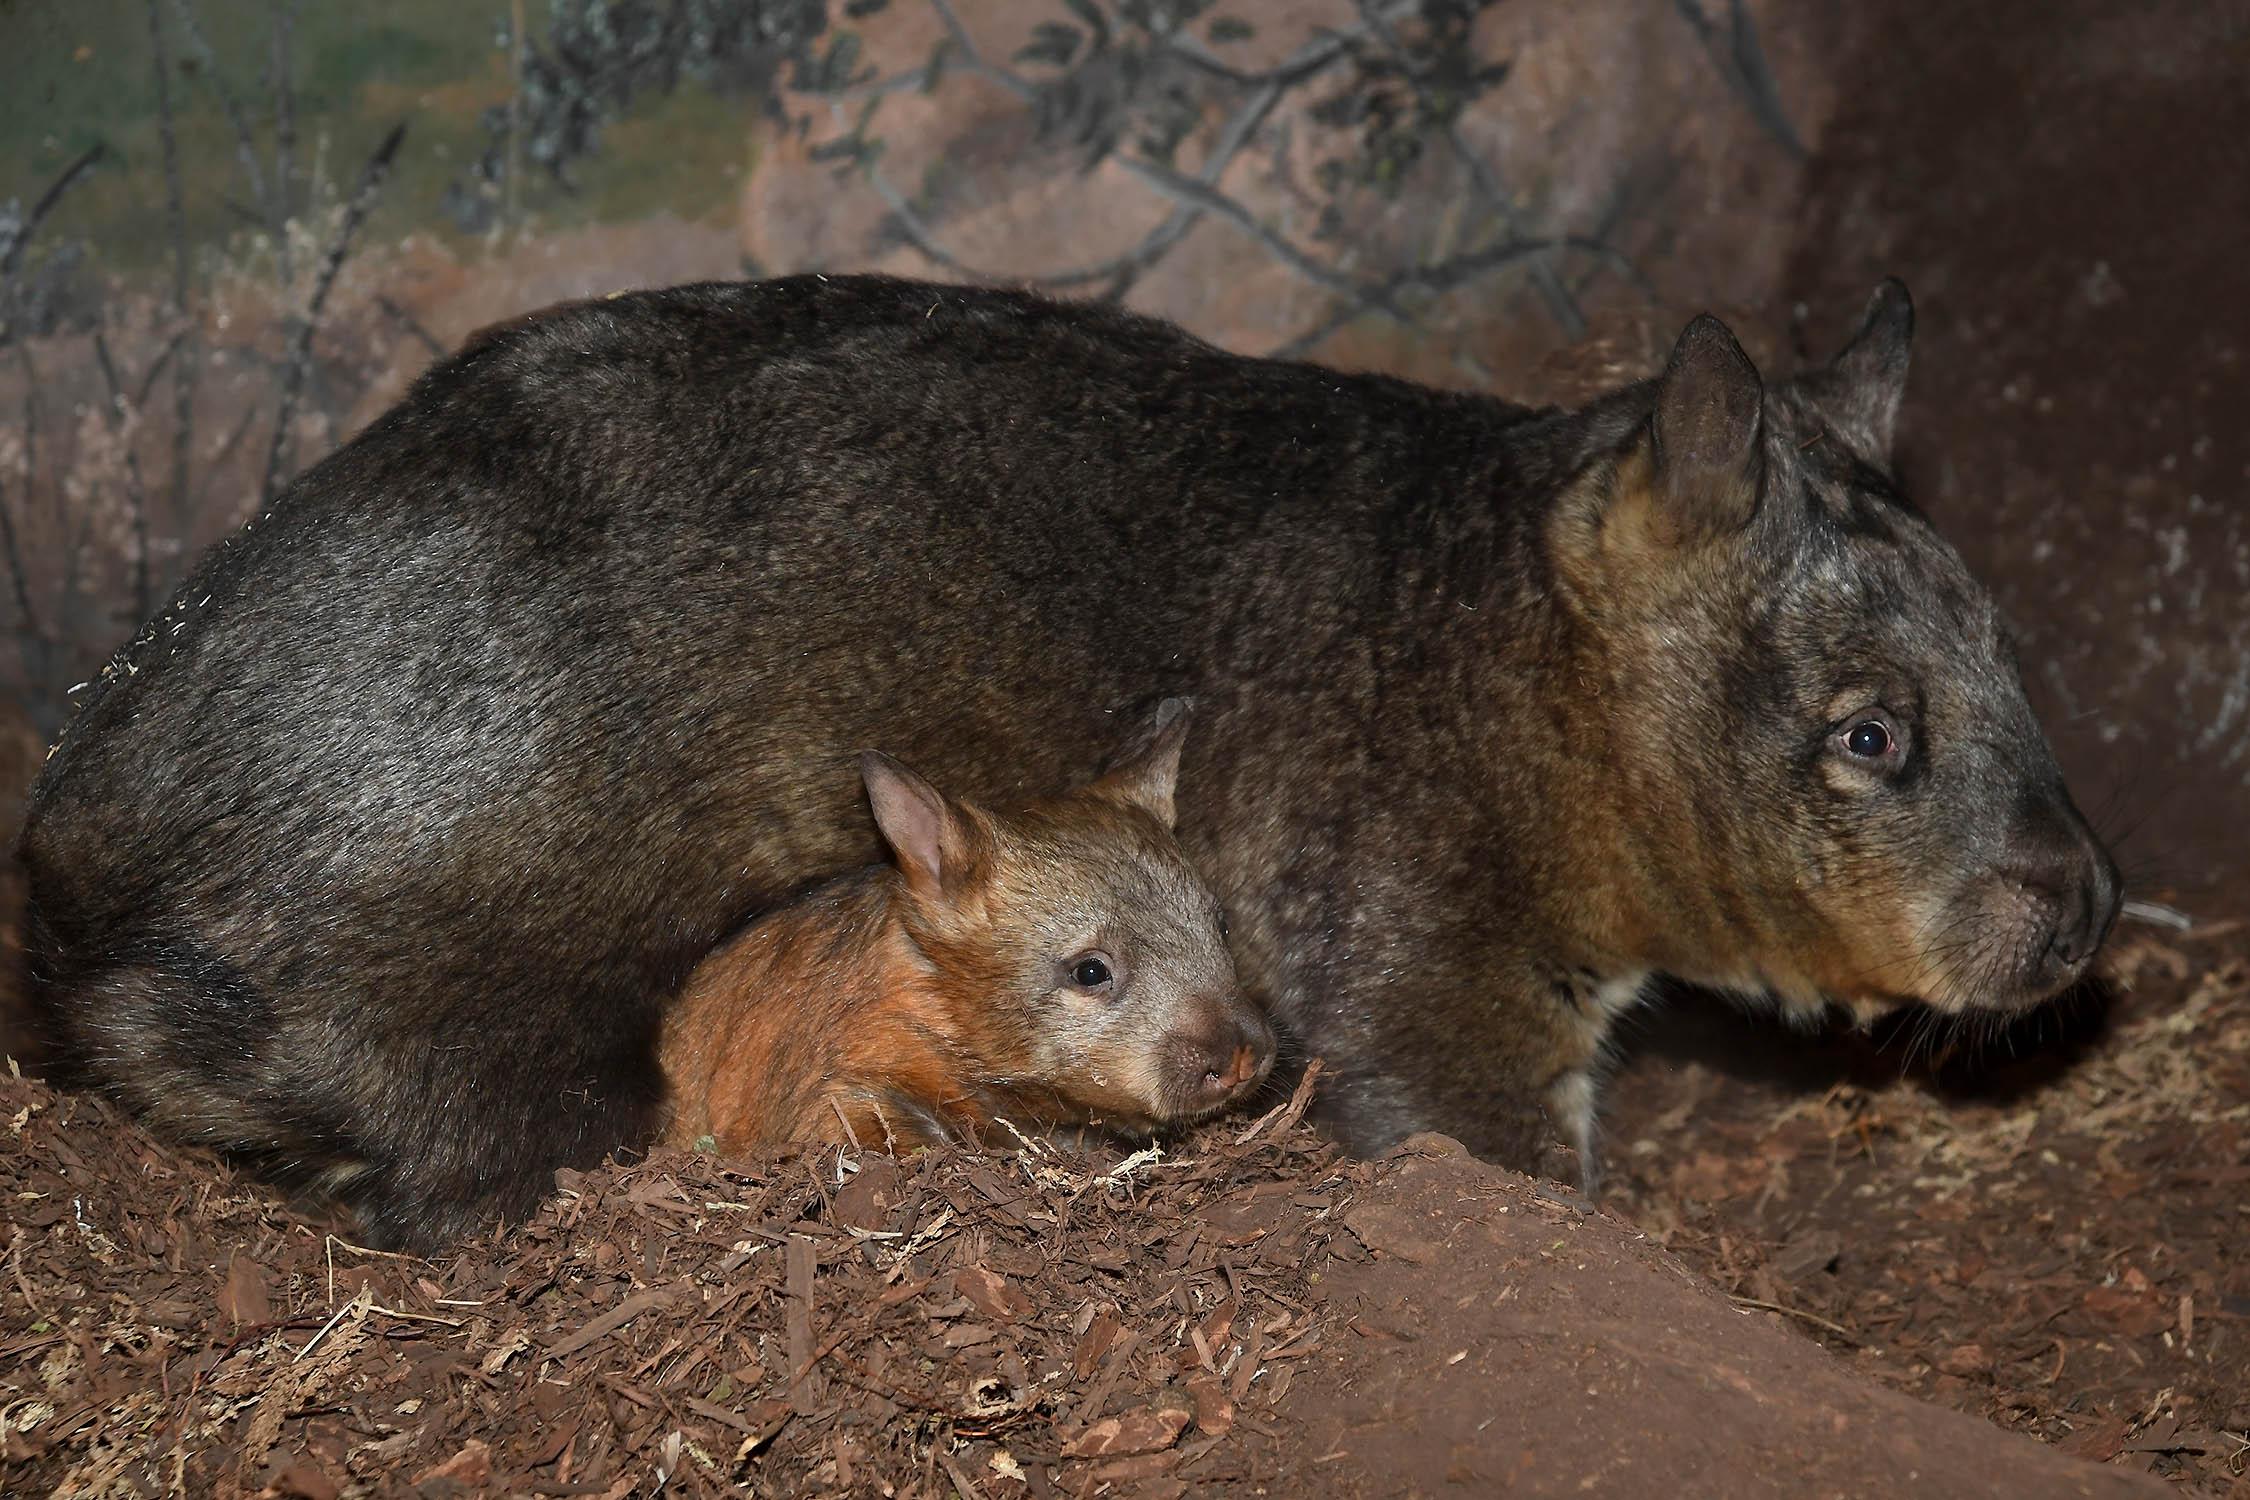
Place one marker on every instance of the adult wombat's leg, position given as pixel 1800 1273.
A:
pixel 427 1132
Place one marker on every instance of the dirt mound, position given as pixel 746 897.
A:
pixel 2048 1236
pixel 1528 1347
pixel 1244 1314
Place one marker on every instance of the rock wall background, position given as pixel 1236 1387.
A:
pixel 217 260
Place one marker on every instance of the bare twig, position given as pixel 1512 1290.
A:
pixel 157 366
pixel 1120 270
pixel 510 215
pixel 12 544
pixel 411 324
pixel 284 134
pixel 136 491
pixel 1187 190
pixel 1481 172
pixel 1313 57
pixel 183 380
pixel 1197 196
pixel 66 594
pixel 12 254
pixel 300 354
pixel 1795 1312
pixel 12 258
pixel 1741 61
pixel 973 58
pixel 10 266
pixel 230 103
pixel 1451 275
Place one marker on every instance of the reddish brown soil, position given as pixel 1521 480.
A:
pixel 2051 1239
pixel 1246 1315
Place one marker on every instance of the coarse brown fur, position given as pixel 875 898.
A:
pixel 377 855
pixel 933 997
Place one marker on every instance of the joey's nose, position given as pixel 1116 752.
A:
pixel 1235 1061
pixel 1240 1069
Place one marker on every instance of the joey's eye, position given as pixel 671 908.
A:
pixel 1089 973
pixel 1868 739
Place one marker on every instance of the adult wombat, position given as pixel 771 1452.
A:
pixel 376 855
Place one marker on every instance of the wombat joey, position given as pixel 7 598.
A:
pixel 1059 965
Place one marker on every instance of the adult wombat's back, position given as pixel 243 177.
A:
pixel 375 855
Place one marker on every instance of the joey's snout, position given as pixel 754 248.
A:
pixel 1217 1065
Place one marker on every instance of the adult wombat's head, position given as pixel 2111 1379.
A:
pixel 1824 777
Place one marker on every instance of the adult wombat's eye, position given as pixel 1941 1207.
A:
pixel 1089 973
pixel 1873 740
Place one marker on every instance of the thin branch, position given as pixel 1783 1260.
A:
pixel 45 205
pixel 974 59
pixel 284 136
pixel 1481 172
pixel 511 214
pixel 18 576
pixel 1313 57
pixel 1120 269
pixel 74 541
pixel 183 381
pixel 1451 275
pixel 156 367
pixel 11 257
pixel 411 324
pixel 1188 190
pixel 136 491
pixel 221 454
pixel 1741 61
pixel 300 354
pixel 245 140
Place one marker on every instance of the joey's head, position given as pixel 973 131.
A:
pixel 1829 783
pixel 1084 960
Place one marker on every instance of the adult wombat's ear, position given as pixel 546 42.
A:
pixel 1860 390
pixel 1146 770
pixel 931 834
pixel 1706 434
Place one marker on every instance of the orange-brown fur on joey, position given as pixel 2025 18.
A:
pixel 1061 965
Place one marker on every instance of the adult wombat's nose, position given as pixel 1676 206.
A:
pixel 2084 922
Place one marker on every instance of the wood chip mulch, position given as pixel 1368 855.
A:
pixel 1047 1320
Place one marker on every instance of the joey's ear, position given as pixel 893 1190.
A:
pixel 928 831
pixel 1707 434
pixel 1861 388
pixel 1146 769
